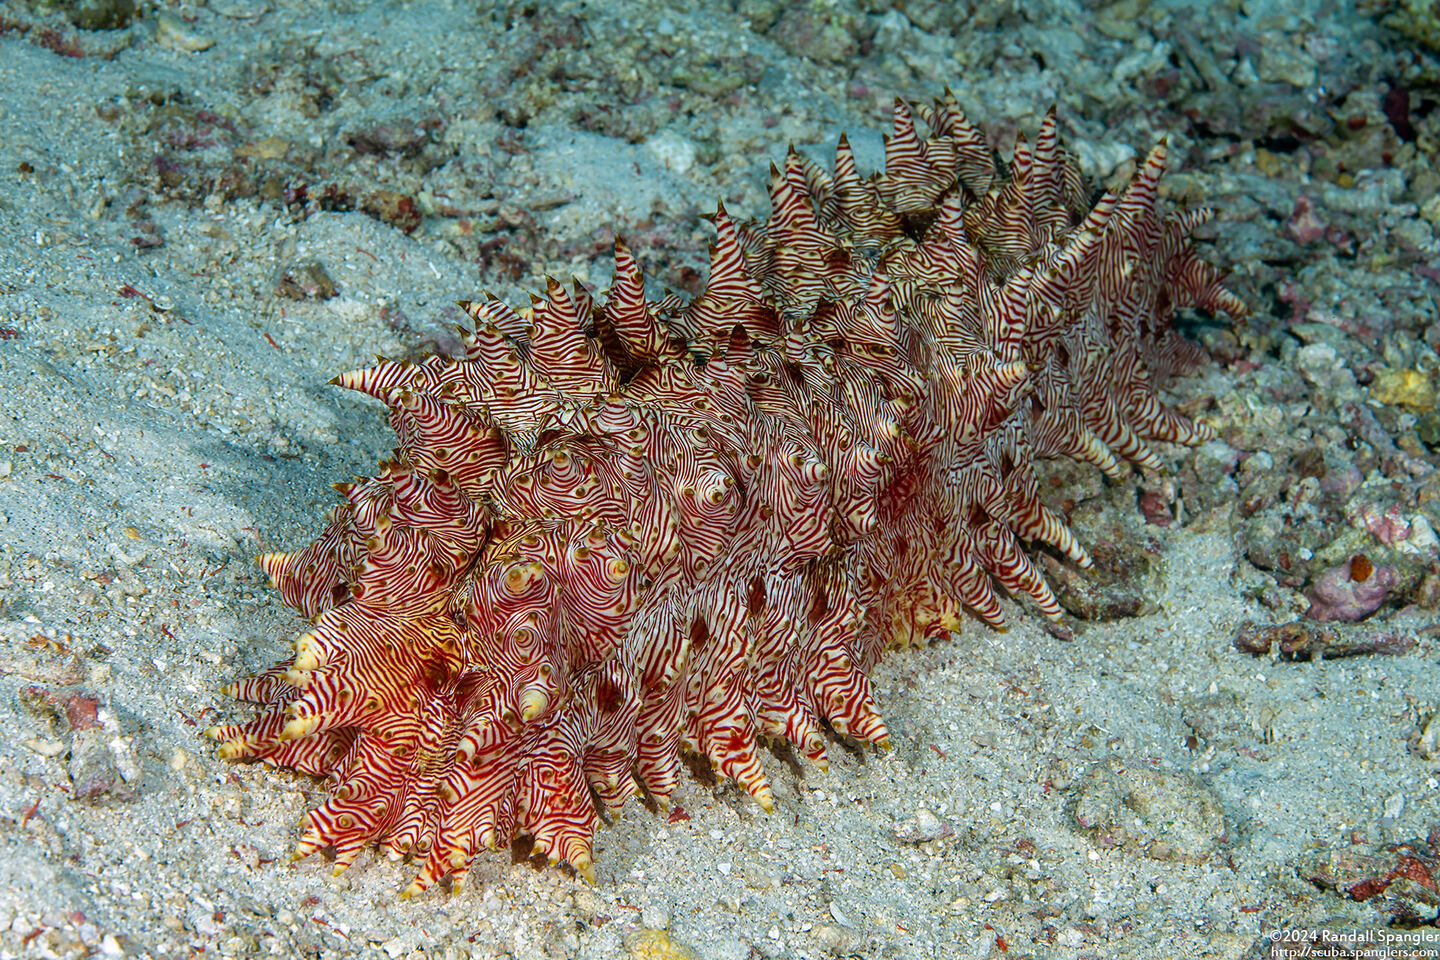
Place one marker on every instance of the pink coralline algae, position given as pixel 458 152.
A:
pixel 1354 589
pixel 618 530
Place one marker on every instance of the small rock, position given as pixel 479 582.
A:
pixel 1371 194
pixel 176 34
pixel 658 945
pixel 817 33
pixel 673 152
pixel 923 827
pixel 1428 429
pixel 1404 388
pixel 1282 63
pixel 1354 589
pixel 1319 363
pixel 836 940
pixel 656 916
pixel 306 281
pixel 103 14
pixel 101 765
pixel 397 209
pixel 44 746
pixel 1422 540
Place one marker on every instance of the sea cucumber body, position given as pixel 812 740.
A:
pixel 615 531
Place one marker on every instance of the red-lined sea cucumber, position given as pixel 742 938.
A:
pixel 615 530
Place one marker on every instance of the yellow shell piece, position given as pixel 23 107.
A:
pixel 658 945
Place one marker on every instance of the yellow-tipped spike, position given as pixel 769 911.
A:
pixel 299 727
pixel 1010 374
pixel 307 653
pixel 533 702
pixel 765 798
pixel 412 891
pixel 232 749
pixel 584 867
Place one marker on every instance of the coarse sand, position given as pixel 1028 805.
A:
pixel 207 213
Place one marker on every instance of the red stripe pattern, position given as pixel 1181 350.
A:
pixel 615 532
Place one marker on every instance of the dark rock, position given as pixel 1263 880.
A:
pixel 102 14
pixel 1123 583
pixel 1310 641
pixel 393 208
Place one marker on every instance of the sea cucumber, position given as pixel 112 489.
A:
pixel 615 530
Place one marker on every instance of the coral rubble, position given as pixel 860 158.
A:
pixel 617 530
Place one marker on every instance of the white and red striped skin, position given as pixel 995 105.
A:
pixel 615 532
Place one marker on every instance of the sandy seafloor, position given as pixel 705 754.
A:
pixel 167 418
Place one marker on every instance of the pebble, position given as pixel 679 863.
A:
pixel 1428 746
pixel 1372 193
pixel 1317 362
pixel 923 827
pixel 45 747
pixel 1340 593
pixel 673 152
pixel 1406 388
pixel 656 916
pixel 838 940
pixel 176 34
pixel 658 945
